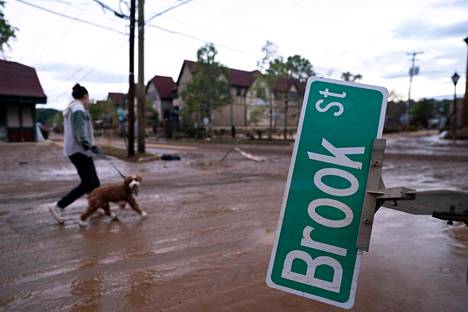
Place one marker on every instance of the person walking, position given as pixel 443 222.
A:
pixel 79 148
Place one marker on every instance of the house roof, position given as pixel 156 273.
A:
pixel 165 85
pixel 18 80
pixel 236 77
pixel 116 97
pixel 285 84
pixel 242 78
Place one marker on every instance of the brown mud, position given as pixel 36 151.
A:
pixel 206 243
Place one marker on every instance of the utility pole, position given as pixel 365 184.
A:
pixel 141 77
pixel 233 128
pixel 286 100
pixel 455 78
pixel 464 121
pixel 412 72
pixel 131 83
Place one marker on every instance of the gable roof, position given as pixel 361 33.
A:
pixel 285 84
pixel 116 97
pixel 18 80
pixel 236 77
pixel 165 85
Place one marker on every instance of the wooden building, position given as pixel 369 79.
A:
pixel 246 103
pixel 20 91
pixel 160 93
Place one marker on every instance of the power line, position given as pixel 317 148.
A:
pixel 108 8
pixel 167 10
pixel 70 17
pixel 199 39
pixel 89 72
pixel 122 33
pixel 71 4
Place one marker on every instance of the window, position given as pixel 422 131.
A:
pixel 293 97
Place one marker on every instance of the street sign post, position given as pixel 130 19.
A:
pixel 315 254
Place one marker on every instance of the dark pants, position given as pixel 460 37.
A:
pixel 89 179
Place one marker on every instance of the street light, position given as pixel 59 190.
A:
pixel 455 78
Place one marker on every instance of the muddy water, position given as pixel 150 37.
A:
pixel 206 243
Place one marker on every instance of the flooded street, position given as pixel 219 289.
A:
pixel 206 243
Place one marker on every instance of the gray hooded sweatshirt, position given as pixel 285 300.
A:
pixel 78 129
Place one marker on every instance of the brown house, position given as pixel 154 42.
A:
pixel 20 91
pixel 117 99
pixel 160 93
pixel 246 103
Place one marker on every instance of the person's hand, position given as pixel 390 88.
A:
pixel 86 146
pixel 95 149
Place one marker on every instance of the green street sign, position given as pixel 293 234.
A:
pixel 315 254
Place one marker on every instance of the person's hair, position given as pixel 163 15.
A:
pixel 79 91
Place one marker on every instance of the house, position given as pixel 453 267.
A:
pixel 117 99
pixel 247 107
pixel 160 93
pixel 20 91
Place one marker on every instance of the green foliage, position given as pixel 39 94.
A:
pixel 274 67
pixel 299 68
pixel 208 89
pixel 422 111
pixel 46 115
pixel 103 112
pixel 255 115
pixel 347 76
pixel 7 31
pixel 152 116
pixel 57 122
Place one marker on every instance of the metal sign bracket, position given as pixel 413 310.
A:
pixel 377 194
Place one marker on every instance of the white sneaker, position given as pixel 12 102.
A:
pixel 144 214
pixel 114 217
pixel 82 223
pixel 56 212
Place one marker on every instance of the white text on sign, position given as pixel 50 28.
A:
pixel 339 157
pixel 326 94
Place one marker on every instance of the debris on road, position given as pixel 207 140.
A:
pixel 169 157
pixel 250 156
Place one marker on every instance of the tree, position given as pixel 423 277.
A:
pixel 7 31
pixel 270 53
pixel 45 115
pixel 347 76
pixel 274 68
pixel 422 111
pixel 393 96
pixel 271 68
pixel 299 68
pixel 103 114
pixel 57 122
pixel 208 89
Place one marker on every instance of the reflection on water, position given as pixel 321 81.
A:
pixel 104 275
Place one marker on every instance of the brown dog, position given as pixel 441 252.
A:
pixel 114 193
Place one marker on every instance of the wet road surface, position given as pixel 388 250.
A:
pixel 208 238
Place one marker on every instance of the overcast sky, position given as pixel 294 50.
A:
pixel 370 37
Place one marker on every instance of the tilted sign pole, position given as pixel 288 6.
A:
pixel 315 252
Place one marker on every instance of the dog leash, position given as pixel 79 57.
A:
pixel 104 156
pixel 116 169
